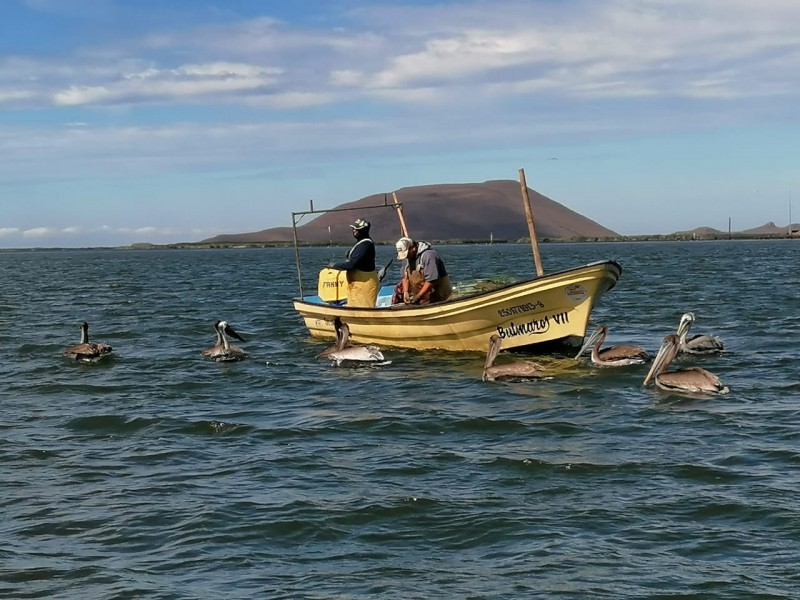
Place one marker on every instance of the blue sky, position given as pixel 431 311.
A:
pixel 176 120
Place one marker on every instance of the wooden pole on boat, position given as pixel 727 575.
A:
pixel 537 259
pixel 399 209
pixel 297 254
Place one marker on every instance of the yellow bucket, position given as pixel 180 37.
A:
pixel 332 285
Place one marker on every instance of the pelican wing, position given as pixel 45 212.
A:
pixel 523 369
pixel 693 379
pixel 213 350
pixel 624 352
pixel 356 354
pixel 88 352
pixel 80 349
pixel 703 344
pixel 231 354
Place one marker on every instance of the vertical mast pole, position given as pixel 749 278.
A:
pixel 399 209
pixel 526 201
pixel 297 255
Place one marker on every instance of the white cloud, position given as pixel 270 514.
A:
pixel 614 49
pixel 8 231
pixel 39 232
pixel 150 230
pixel 429 53
pixel 15 95
pixel 347 77
pixel 186 81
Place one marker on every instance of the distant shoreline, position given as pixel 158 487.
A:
pixel 675 237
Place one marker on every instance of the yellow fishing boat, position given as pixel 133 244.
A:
pixel 547 310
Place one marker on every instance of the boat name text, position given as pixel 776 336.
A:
pixel 520 308
pixel 532 327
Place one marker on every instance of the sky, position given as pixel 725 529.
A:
pixel 125 121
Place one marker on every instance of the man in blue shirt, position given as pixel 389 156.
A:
pixel 362 280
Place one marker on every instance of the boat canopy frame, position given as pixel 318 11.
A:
pixel 297 217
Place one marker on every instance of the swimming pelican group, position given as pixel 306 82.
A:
pixel 693 380
pixel 690 380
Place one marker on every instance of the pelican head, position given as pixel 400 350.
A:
pixel 342 333
pixel 685 325
pixel 601 330
pixel 226 329
pixel 666 353
pixel 491 353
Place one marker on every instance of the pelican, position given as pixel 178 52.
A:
pixel 342 352
pixel 84 351
pixel 697 344
pixel 521 369
pixel 693 379
pixel 615 356
pixel 218 344
pixel 225 352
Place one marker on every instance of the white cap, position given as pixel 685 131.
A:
pixel 402 246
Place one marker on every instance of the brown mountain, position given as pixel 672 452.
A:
pixel 769 228
pixel 700 231
pixel 453 211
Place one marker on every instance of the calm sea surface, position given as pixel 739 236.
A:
pixel 162 475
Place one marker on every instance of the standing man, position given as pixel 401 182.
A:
pixel 425 277
pixel 362 281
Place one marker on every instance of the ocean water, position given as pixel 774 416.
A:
pixel 161 475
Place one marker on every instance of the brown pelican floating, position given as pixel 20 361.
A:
pixel 225 352
pixel 693 379
pixel 342 352
pixel 614 356
pixel 697 344
pixel 521 369
pixel 84 351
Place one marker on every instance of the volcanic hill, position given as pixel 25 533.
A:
pixel 452 211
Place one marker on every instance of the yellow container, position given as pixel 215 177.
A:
pixel 332 285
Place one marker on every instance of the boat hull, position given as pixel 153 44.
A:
pixel 552 308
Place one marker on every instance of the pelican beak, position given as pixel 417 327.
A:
pixel 652 369
pixel 656 365
pixel 683 327
pixel 588 343
pixel 685 324
pixel 231 332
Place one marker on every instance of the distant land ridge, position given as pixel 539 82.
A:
pixel 450 211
